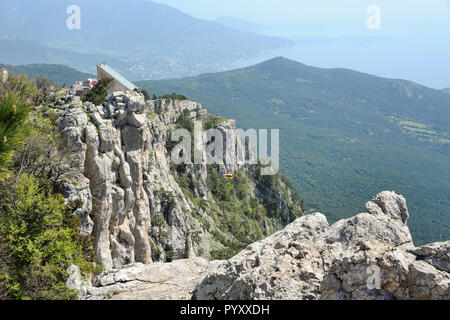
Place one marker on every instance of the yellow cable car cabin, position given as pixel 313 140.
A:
pixel 229 175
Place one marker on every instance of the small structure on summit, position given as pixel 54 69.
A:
pixel 3 74
pixel 119 83
pixel 80 87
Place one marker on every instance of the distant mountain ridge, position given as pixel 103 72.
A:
pixel 240 24
pixel 344 134
pixel 134 22
pixel 447 90
pixel 60 74
pixel 150 40
pixel 18 51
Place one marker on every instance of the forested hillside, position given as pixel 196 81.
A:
pixel 345 135
pixel 59 74
pixel 52 189
pixel 19 51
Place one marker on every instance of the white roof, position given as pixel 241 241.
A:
pixel 113 73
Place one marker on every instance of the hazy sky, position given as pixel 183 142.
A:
pixel 404 14
pixel 413 42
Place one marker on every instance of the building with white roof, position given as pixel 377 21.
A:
pixel 119 83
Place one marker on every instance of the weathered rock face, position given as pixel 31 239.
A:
pixel 370 256
pixel 128 197
pixel 112 147
pixel 157 281
pixel 124 163
pixel 127 193
pixel 265 270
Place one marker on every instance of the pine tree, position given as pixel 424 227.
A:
pixel 146 95
pixel 13 114
pixel 98 94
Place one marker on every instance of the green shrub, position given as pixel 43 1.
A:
pixel 174 96
pixel 212 121
pixel 195 236
pixel 13 115
pixel 156 253
pixel 223 254
pixel 98 94
pixel 167 197
pixel 97 269
pixel 42 238
pixel 170 254
pixel 184 121
pixel 21 86
pixel 187 250
pixel 146 95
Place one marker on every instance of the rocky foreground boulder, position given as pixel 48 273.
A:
pixel 369 256
pixel 157 281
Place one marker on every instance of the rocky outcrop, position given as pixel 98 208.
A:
pixel 130 198
pixel 125 166
pixel 111 143
pixel 369 256
pixel 126 190
pixel 158 281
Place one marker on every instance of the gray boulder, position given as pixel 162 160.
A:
pixel 370 256
pixel 157 281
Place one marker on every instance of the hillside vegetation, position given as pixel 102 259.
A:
pixel 59 74
pixel 344 135
pixel 20 51
pixel 39 237
pixel 46 231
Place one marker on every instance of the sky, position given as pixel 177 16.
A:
pixel 413 41
pixel 401 14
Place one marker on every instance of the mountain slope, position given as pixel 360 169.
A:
pixel 153 40
pixel 446 90
pixel 58 73
pixel 344 135
pixel 17 51
pixel 134 22
pixel 239 24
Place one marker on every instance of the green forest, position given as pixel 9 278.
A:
pixel 39 237
pixel 345 135
pixel 60 74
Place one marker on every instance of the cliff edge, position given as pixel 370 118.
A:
pixel 368 257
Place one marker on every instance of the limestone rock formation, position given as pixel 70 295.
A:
pixel 157 281
pixel 74 281
pixel 127 193
pixel 369 256
pixel 131 199
pixel 112 146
